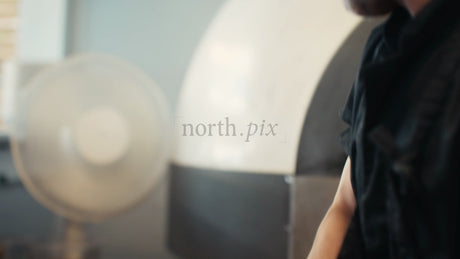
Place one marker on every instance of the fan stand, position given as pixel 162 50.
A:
pixel 74 240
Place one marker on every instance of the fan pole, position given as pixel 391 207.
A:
pixel 74 240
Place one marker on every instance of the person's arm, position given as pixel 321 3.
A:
pixel 332 230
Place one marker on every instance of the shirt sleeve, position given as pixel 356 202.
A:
pixel 353 103
pixel 346 116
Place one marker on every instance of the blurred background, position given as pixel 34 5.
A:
pixel 157 36
pixel 287 62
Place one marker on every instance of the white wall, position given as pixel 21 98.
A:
pixel 159 36
pixel 41 34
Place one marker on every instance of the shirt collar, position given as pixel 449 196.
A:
pixel 411 39
pixel 433 22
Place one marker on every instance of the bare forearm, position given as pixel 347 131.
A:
pixel 331 234
pixel 333 228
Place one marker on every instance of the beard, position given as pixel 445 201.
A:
pixel 371 7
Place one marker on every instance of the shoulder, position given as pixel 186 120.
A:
pixel 375 36
pixel 374 39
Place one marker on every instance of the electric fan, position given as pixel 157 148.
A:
pixel 90 139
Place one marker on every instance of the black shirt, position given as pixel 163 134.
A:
pixel 403 140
